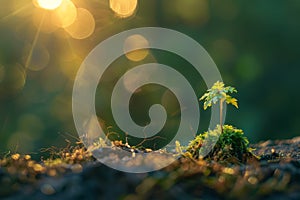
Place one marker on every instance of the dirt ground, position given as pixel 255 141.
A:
pixel 275 176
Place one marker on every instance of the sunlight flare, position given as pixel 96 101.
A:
pixel 48 4
pixel 47 26
pixel 65 14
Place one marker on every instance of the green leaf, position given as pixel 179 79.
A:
pixel 232 101
pixel 204 96
pixel 218 92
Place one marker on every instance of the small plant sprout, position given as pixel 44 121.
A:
pixel 230 144
pixel 219 93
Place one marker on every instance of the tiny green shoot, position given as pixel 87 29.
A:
pixel 219 93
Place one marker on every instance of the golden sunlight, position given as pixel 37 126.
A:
pixel 83 26
pixel 49 4
pixel 46 26
pixel 123 8
pixel 65 14
pixel 136 41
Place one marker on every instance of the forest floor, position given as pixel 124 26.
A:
pixel 275 176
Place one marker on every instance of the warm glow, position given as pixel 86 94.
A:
pixel 49 4
pixel 123 8
pixel 65 14
pixel 46 26
pixel 83 26
pixel 135 42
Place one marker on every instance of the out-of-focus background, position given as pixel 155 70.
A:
pixel 255 44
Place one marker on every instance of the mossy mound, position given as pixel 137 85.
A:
pixel 230 145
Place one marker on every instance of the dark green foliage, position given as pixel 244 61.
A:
pixel 230 145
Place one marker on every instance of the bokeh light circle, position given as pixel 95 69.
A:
pixel 123 8
pixel 136 41
pixel 36 57
pixel 65 14
pixel 83 26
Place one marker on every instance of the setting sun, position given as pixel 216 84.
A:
pixel 49 4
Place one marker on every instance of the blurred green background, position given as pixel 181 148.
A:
pixel 255 44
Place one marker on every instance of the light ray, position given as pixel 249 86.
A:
pixel 14 13
pixel 36 37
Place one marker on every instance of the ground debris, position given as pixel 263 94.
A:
pixel 275 176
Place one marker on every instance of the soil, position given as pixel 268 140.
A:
pixel 275 176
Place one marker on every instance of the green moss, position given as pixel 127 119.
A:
pixel 229 145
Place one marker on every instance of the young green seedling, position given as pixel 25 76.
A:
pixel 219 93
